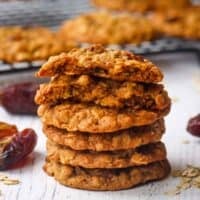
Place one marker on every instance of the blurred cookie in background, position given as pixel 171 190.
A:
pixel 171 4
pixel 179 23
pixel 25 44
pixel 107 28
pixel 129 5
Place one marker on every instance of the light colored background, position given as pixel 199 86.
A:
pixel 182 79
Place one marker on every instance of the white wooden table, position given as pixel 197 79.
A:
pixel 182 79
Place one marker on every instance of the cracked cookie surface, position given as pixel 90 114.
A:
pixel 98 61
pixel 95 119
pixel 24 44
pixel 103 92
pixel 141 6
pixel 183 23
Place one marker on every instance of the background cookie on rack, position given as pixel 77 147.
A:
pixel 141 6
pixel 107 28
pixel 100 62
pixel 183 23
pixel 103 92
pixel 26 44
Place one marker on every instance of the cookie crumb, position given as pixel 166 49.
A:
pixel 189 178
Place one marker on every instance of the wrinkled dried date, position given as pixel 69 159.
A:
pixel 21 145
pixel 14 145
pixel 19 98
pixel 193 126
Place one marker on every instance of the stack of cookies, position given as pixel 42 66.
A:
pixel 102 113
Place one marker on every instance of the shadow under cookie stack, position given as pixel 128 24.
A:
pixel 102 113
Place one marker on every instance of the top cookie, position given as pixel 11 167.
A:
pixel 98 61
pixel 24 44
pixel 108 28
pixel 179 23
pixel 141 6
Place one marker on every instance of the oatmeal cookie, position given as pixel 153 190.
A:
pixel 142 155
pixel 98 61
pixel 128 5
pixel 124 139
pixel 108 28
pixel 106 179
pixel 163 5
pixel 141 6
pixel 94 119
pixel 179 23
pixel 25 44
pixel 103 92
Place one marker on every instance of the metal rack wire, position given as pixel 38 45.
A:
pixel 52 12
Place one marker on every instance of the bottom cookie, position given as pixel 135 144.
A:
pixel 106 179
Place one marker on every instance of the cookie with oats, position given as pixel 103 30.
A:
pixel 103 92
pixel 142 155
pixel 26 44
pixel 98 61
pixel 124 139
pixel 95 119
pixel 179 23
pixel 127 5
pixel 141 6
pixel 106 179
pixel 108 28
pixel 163 5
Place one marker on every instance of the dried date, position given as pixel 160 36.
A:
pixel 16 146
pixel 193 126
pixel 19 98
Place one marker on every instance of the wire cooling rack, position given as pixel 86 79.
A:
pixel 51 13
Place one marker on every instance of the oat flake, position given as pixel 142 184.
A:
pixel 8 181
pixel 189 177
